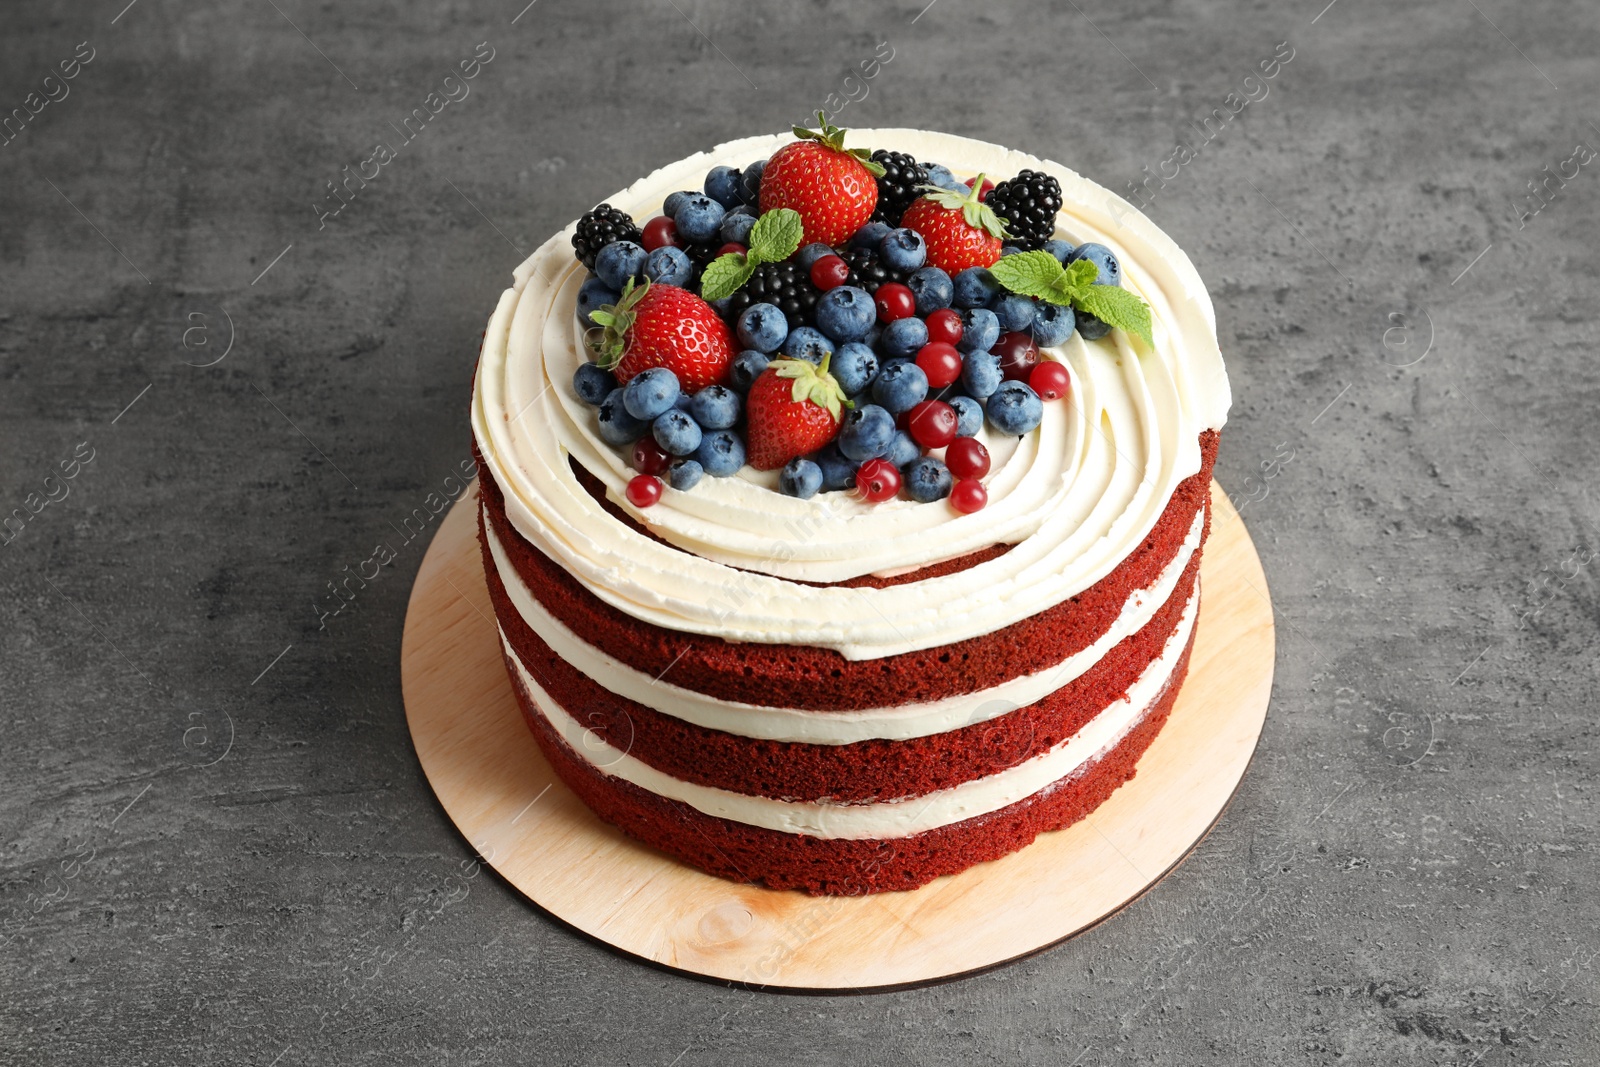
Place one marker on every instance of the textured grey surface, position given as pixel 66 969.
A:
pixel 1407 875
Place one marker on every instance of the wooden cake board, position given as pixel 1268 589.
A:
pixel 496 786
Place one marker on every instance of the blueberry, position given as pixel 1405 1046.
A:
pixel 592 383
pixel 1060 249
pixel 933 289
pixel 751 181
pixel 650 392
pixel 1052 324
pixel 736 225
pixel 980 329
pixel 716 407
pixel 865 432
pixel 801 478
pixel 762 327
pixel 1102 257
pixel 698 217
pixel 845 313
pixel 969 415
pixel 721 453
pixel 981 374
pixel 1014 312
pixel 899 386
pixel 903 338
pixel 746 368
pixel 1010 250
pixel 837 472
pixel 676 432
pixel 684 474
pixel 1091 328
pixel 1014 409
pixel 674 201
pixel 939 174
pixel 874 333
pixel 725 185
pixel 669 266
pixel 904 249
pixel 807 344
pixel 870 236
pixel 927 480
pixel 853 366
pixel 594 294
pixel 902 449
pixel 974 288
pixel 619 261
pixel 811 253
pixel 617 427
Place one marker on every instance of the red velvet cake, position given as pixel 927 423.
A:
pixel 843 515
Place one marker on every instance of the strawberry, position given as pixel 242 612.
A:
pixel 663 326
pixel 960 229
pixel 834 189
pixel 792 409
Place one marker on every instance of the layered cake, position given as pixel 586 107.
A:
pixel 843 499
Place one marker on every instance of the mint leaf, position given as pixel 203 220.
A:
pixel 1116 307
pixel 1080 276
pixel 1032 274
pixel 776 235
pixel 725 274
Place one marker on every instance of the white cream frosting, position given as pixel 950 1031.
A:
pixel 896 723
pixel 1074 497
pixel 880 820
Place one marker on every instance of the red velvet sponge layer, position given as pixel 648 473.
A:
pixel 819 866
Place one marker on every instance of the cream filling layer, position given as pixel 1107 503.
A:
pixel 884 820
pixel 1074 497
pixel 833 727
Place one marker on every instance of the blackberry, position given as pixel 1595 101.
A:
pixel 901 183
pixel 784 284
pixel 868 270
pixel 599 228
pixel 1028 203
pixel 702 252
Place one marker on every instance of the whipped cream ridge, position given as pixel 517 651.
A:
pixel 1074 497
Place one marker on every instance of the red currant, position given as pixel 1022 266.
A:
pixel 894 301
pixel 660 232
pixel 967 458
pixel 644 490
pixel 649 457
pixel 983 194
pixel 932 424
pixel 1050 380
pixel 1018 355
pixel 968 496
pixel 829 272
pixel 941 362
pixel 878 480
pixel 945 325
pixel 732 247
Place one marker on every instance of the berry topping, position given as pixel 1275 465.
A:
pixel 600 227
pixel 894 301
pixel 868 270
pixel 1014 409
pixel 684 474
pixel 644 490
pixel 846 313
pixel 793 408
pixel 664 326
pixel 968 496
pixel 1028 203
pixel 829 272
pixel 927 480
pixel 932 424
pixel 941 362
pixel 716 407
pixel 969 415
pixel 904 249
pixel 651 392
pixel 732 248
pixel 669 266
pixel 592 383
pixel 786 284
pixel 934 289
pixel 878 480
pixel 967 458
pixel 961 231
pixel 900 183
pixel 800 478
pixel 899 386
pixel 833 188
pixel 649 458
pixel 721 453
pixel 944 325
pixel 1050 380
pixel 865 433
pixel 698 217
pixel 620 261
pixel 1018 355
pixel 676 432
pixel 983 190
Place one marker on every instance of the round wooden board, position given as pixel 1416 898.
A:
pixel 497 788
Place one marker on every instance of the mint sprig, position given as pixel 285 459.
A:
pixel 773 239
pixel 1038 274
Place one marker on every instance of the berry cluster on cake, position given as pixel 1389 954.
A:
pixel 843 507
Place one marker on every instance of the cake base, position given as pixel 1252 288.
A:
pixel 497 788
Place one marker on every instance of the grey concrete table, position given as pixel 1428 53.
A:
pixel 216 845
